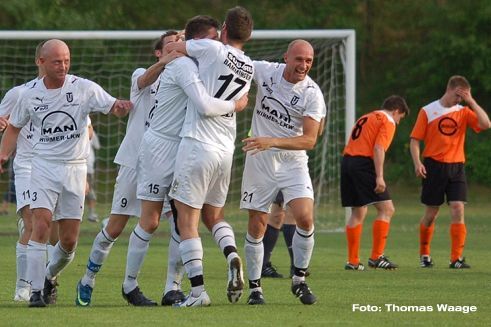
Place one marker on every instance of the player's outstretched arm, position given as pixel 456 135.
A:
pixel 121 108
pixel 8 144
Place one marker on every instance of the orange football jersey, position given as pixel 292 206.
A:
pixel 376 127
pixel 443 131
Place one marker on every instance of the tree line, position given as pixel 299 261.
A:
pixel 405 47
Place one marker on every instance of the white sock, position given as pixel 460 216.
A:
pixel 137 250
pixel 100 250
pixel 36 265
pixel 302 245
pixel 254 251
pixel 175 268
pixel 223 234
pixel 191 251
pixel 49 251
pixel 61 259
pixel 21 260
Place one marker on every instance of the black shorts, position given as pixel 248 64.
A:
pixel 443 179
pixel 358 181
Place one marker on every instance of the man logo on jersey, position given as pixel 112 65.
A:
pixel 274 111
pixel 69 96
pixel 56 126
pixel 294 100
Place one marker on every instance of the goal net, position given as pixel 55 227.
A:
pixel 109 58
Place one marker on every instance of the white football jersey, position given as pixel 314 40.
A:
pixel 280 105
pixel 171 100
pixel 227 74
pixel 9 102
pixel 138 120
pixel 59 117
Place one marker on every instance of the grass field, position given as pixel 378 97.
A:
pixel 337 290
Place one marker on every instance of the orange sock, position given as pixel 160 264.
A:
pixel 425 236
pixel 353 236
pixel 380 232
pixel 457 235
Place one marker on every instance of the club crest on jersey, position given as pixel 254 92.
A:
pixel 69 96
pixel 294 100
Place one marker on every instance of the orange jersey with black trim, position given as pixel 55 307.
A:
pixel 376 127
pixel 443 131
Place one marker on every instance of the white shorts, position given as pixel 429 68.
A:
pixel 22 174
pixel 59 187
pixel 156 161
pixel 268 172
pixel 124 196
pixel 202 174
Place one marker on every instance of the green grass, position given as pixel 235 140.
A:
pixel 337 290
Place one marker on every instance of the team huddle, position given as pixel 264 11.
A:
pixel 176 157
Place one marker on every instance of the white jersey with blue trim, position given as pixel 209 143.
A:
pixel 280 105
pixel 59 117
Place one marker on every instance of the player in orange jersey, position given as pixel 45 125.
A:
pixel 442 125
pixel 362 180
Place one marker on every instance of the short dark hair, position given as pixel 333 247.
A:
pixel 160 42
pixel 458 81
pixel 239 24
pixel 198 26
pixel 396 102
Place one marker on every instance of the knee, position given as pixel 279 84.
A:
pixel 68 244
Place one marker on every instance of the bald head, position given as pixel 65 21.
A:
pixel 299 57
pixel 54 59
pixel 53 46
pixel 300 44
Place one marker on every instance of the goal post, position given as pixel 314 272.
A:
pixel 110 57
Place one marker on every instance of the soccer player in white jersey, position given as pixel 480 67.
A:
pixel 204 158
pixel 144 86
pixel 58 107
pixel 289 109
pixel 22 173
pixel 158 150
